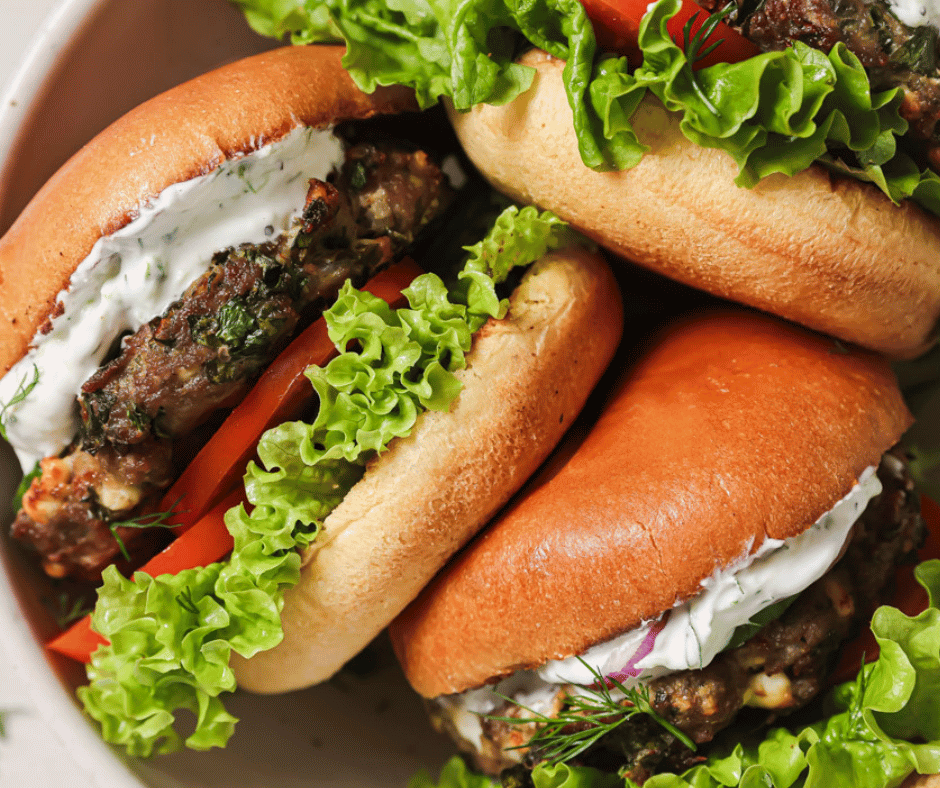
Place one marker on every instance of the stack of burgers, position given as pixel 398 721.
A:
pixel 663 601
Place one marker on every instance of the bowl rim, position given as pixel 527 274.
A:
pixel 97 763
pixel 29 77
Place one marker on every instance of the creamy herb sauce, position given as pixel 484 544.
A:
pixel 916 13
pixel 697 630
pixel 133 275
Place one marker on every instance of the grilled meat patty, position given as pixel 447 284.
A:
pixel 782 667
pixel 205 351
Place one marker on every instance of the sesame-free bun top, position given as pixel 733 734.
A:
pixel 186 132
pixel 730 428
pixel 828 252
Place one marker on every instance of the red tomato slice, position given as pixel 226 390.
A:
pixel 617 27
pixel 280 394
pixel 207 541
pixel 79 641
pixel 909 597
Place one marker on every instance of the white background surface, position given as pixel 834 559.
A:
pixel 30 754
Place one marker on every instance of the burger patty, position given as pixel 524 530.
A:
pixel 782 667
pixel 894 54
pixel 206 349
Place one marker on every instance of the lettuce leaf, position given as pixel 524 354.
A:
pixel 454 774
pixel 461 49
pixel 884 726
pixel 171 637
pixel 777 112
pixel 280 18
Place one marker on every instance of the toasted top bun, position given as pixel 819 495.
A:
pixel 731 428
pixel 527 377
pixel 183 133
pixel 831 253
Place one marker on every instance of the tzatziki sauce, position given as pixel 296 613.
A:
pixel 695 631
pixel 917 13
pixel 134 274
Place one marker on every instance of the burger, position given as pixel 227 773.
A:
pixel 686 574
pixel 228 384
pixel 779 154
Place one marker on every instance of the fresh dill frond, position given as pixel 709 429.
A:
pixel 150 520
pixel 692 45
pixel 23 390
pixel 185 599
pixel 586 718
pixel 70 612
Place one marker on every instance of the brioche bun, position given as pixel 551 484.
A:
pixel 831 253
pixel 528 376
pixel 922 781
pixel 183 133
pixel 732 428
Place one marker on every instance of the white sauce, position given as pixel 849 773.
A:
pixel 697 630
pixel 133 275
pixel 916 13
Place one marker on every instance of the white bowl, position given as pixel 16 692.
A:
pixel 91 61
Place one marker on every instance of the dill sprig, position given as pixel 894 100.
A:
pixel 23 390
pixel 692 45
pixel 68 612
pixel 587 717
pixel 186 601
pixel 150 520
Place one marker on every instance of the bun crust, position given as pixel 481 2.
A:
pixel 178 135
pixel 831 253
pixel 733 427
pixel 527 378
pixel 922 781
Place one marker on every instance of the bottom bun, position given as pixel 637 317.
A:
pixel 527 377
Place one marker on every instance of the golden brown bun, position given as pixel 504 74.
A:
pixel 185 132
pixel 733 427
pixel 527 378
pixel 922 781
pixel 831 253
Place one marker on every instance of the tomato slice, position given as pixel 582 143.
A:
pixel 205 542
pixel 203 493
pixel 79 641
pixel 280 394
pixel 617 27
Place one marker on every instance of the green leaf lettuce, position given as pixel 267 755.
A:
pixel 777 112
pixel 884 726
pixel 171 637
